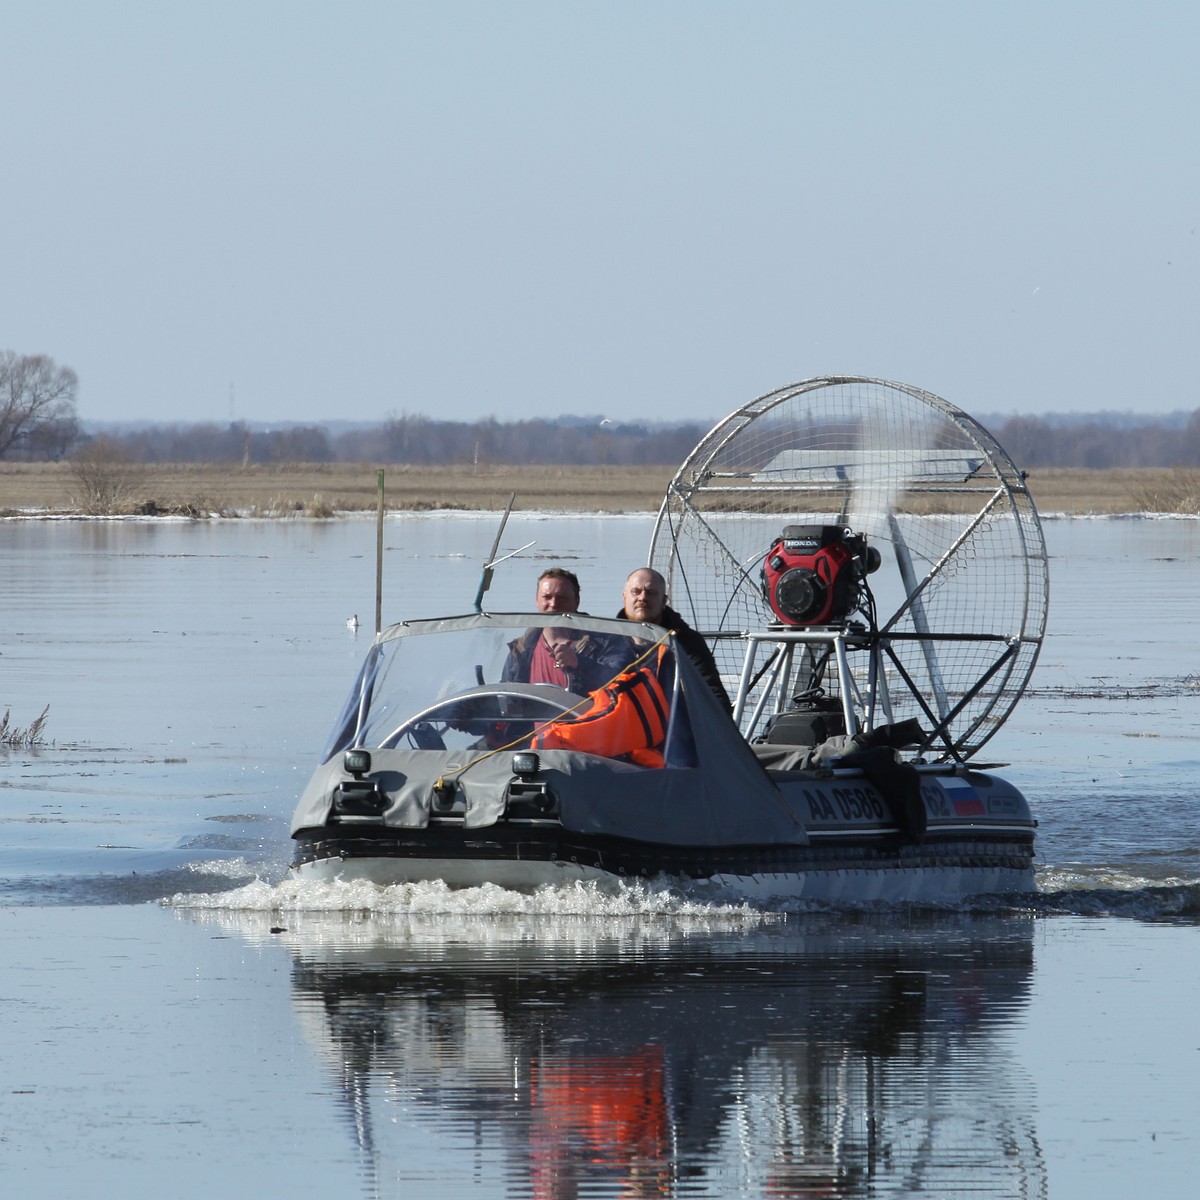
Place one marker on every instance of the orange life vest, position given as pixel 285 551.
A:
pixel 627 718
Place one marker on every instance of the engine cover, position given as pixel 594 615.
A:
pixel 811 574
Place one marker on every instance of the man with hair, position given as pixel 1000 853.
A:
pixel 555 654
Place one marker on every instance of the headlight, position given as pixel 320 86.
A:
pixel 357 762
pixel 526 764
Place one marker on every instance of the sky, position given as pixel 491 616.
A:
pixel 301 210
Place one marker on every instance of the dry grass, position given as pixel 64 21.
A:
pixel 17 737
pixel 323 490
pixel 1176 490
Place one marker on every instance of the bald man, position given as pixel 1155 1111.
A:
pixel 645 599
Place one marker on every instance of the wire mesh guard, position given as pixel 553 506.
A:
pixel 950 624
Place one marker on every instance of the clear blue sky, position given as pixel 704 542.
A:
pixel 298 209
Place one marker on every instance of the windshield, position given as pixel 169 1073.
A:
pixel 493 683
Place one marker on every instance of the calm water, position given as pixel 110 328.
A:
pixel 179 1014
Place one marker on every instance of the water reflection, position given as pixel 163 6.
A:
pixel 810 1057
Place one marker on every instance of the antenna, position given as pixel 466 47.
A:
pixel 485 579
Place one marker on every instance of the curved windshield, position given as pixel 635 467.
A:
pixel 475 684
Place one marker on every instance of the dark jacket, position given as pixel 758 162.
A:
pixel 697 650
pixel 599 661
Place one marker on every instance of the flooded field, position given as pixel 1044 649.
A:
pixel 181 1013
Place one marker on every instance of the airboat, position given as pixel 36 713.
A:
pixel 868 567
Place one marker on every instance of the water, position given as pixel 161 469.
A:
pixel 180 1015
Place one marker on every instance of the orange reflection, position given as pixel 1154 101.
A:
pixel 603 1111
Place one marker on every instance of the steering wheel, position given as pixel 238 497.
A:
pixel 480 707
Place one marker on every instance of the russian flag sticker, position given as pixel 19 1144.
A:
pixel 963 797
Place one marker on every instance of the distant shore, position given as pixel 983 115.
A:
pixel 327 490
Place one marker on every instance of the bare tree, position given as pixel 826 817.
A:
pixel 106 478
pixel 34 392
pixel 51 440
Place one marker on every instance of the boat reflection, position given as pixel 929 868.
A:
pixel 816 1056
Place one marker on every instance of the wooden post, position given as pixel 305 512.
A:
pixel 379 551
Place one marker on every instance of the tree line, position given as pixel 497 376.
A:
pixel 39 422
pixel 1097 443
pixel 416 440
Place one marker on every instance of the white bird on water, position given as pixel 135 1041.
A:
pixel 352 623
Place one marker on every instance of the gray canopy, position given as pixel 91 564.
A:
pixel 713 792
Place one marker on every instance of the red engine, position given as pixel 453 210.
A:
pixel 813 574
